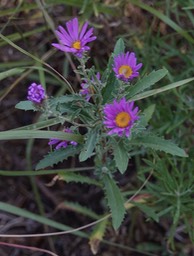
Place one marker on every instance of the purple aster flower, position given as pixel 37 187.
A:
pixel 73 40
pixel 36 93
pixel 120 117
pixel 62 143
pixel 125 66
pixel 86 90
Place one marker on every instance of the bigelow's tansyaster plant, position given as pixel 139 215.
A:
pixel 106 127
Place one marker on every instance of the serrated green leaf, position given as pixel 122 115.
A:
pixel 26 105
pixel 111 85
pixel 121 157
pixel 11 72
pixel 119 47
pixel 111 80
pixel 115 201
pixel 158 143
pixel 146 82
pixel 78 178
pixel 66 99
pixel 147 210
pixel 147 115
pixel 89 145
pixel 57 156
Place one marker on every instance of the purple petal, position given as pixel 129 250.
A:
pixel 71 29
pixel 83 30
pixel 64 35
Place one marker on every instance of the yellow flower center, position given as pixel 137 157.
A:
pixel 125 70
pixel 77 45
pixel 122 119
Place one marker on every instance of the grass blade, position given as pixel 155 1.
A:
pixel 163 89
pixel 26 214
pixel 165 19
pixel 24 134
pixel 11 72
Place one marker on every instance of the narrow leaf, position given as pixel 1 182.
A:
pixel 146 82
pixel 162 89
pixel 33 134
pixel 26 105
pixel 89 145
pixel 78 178
pixel 57 156
pixel 147 114
pixel 44 172
pixel 111 85
pixel 158 143
pixel 76 207
pixel 66 99
pixel 165 19
pixel 28 214
pixel 97 236
pixel 119 47
pixel 147 210
pixel 115 201
pixel 121 157
pixel 11 72
pixel 111 81
pixel 40 125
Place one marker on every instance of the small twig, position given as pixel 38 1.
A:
pixel 143 185
pixel 12 223
pixel 28 248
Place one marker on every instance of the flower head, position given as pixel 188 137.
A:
pixel 120 117
pixel 62 143
pixel 86 90
pixel 125 66
pixel 36 93
pixel 73 40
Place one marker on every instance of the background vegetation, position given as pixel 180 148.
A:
pixel 161 33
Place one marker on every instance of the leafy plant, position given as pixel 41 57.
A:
pixel 81 112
